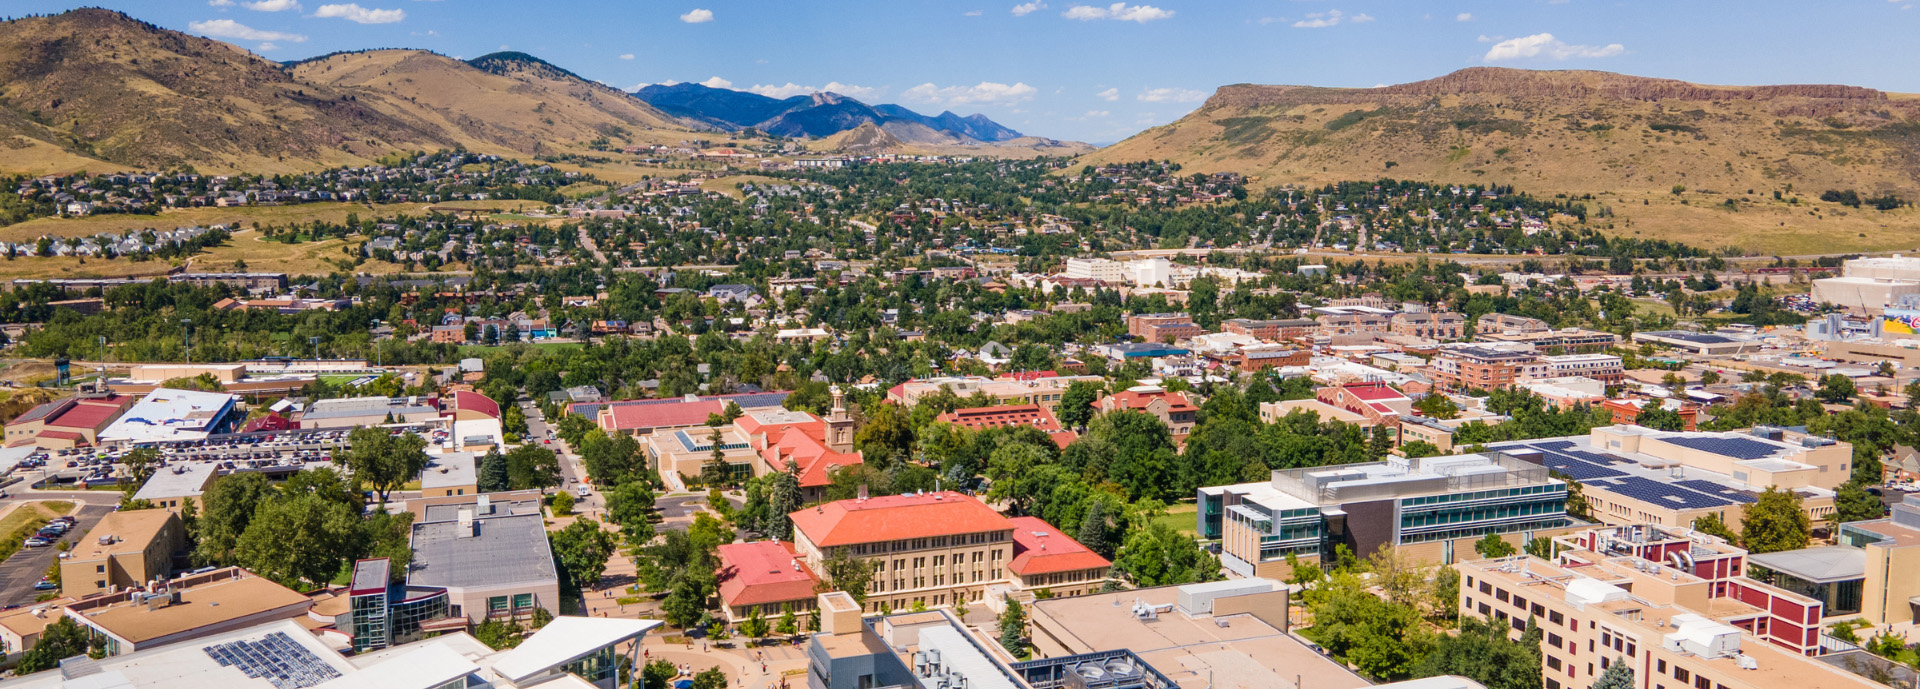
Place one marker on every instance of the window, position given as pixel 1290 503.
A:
pixel 1500 594
pixel 1486 588
pixel 1630 650
pixel 1680 673
pixel 1557 618
pixel 1553 640
pixel 1701 682
pixel 496 604
pixel 522 601
pixel 1660 666
pixel 100 569
pixel 1553 663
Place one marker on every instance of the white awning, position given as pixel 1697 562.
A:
pixel 567 639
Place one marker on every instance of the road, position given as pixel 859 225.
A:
pixel 20 572
pixel 572 472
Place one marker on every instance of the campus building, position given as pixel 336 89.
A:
pixel 1675 606
pixel 490 555
pixel 67 423
pixel 1868 574
pixel 1171 408
pixel 937 548
pixel 126 549
pixel 1635 475
pixel 190 607
pixel 1431 508
pixel 382 612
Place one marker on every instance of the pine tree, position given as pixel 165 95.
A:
pixel 716 470
pixel 1617 676
pixel 783 498
pixel 493 472
pixel 1013 629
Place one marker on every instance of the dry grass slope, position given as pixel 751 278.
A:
pixel 1575 132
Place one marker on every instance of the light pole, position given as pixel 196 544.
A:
pixel 100 385
pixel 315 341
pixel 376 343
pixel 186 337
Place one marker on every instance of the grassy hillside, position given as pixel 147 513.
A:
pixel 1629 140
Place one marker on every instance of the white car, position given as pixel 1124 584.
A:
pixel 583 491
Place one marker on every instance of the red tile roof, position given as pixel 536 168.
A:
pixel 763 572
pixel 1009 415
pixel 897 517
pixel 92 415
pixel 1041 549
pixel 1130 399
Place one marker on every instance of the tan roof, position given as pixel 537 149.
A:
pixel 205 600
pixel 22 621
pixel 132 531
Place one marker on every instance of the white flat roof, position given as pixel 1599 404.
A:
pixel 565 640
pixel 429 665
pixel 459 470
pixel 177 481
pixel 169 414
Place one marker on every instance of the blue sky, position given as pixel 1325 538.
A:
pixel 1087 71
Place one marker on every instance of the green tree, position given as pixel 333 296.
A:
pixel 1711 524
pixel 710 678
pixel 1437 406
pixel 1157 555
pixel 886 433
pixel 562 503
pixel 493 472
pixel 611 460
pixel 498 633
pixel 755 626
pixel 1835 389
pixel 1775 522
pixel 1493 546
pixel 630 505
pixel 1853 503
pixel 581 551
pixel 61 640
pixel 1420 448
pixel 1660 418
pixel 532 467
pixel 299 541
pixel 1482 652
pixel 1076 404
pixel 1618 675
pixel 658 674
pixel 716 471
pixel 788 624
pixel 1383 640
pixel 847 573
pixel 1013 629
pixel 783 499
pixel 382 461
pixel 230 504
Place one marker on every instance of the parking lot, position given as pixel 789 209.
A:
pixel 20 572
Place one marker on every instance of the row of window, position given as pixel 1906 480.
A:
pixel 933 542
pixel 516 603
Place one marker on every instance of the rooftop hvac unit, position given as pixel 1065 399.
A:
pixel 1121 669
pixel 1091 671
pixel 1746 662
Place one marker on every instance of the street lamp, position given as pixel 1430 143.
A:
pixel 186 337
pixel 100 385
pixel 315 341
pixel 376 343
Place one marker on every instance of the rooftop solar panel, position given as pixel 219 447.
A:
pixel 1737 448
pixel 1715 489
pixel 1657 493
pixel 276 658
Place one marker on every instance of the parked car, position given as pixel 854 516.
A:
pixel 45 584
pixel 37 542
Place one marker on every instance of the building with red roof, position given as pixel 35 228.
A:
pixel 1034 415
pixel 1044 558
pixel 764 576
pixel 1379 404
pixel 1172 408
pixel 934 549
pixel 467 405
pixel 640 417
pixel 67 423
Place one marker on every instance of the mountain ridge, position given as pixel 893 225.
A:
pixel 818 115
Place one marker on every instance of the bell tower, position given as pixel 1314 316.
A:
pixel 839 425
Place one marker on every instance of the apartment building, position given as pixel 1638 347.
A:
pixel 1481 368
pixel 1172 408
pixel 999 416
pixel 1503 323
pixel 1675 607
pixel 126 549
pixel 1104 270
pixel 1163 327
pixel 1432 325
pixel 1431 509
pixel 1355 322
pixel 1635 475
pixel 1258 358
pixel 1605 368
pixel 1565 339
pixel 1274 329
pixel 937 548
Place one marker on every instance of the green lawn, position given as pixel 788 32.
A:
pixel 1180 517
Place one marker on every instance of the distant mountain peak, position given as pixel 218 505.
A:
pixel 818 114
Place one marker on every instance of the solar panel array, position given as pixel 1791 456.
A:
pixel 276 658
pixel 1582 466
pixel 1715 489
pixel 1737 448
pixel 1657 493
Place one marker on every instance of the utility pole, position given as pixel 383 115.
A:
pixel 186 337
pixel 376 343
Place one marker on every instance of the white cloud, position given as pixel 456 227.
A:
pixel 220 3
pixel 717 83
pixel 697 17
pixel 1362 18
pixel 1171 95
pixel 1119 11
pixel 1545 45
pixel 272 5
pixel 626 56
pixel 1109 95
pixel 1321 20
pixel 228 28
pixel 1026 8
pixel 1490 39
pixel 353 12
pixel 972 13
pixel 983 92
pixel 1463 17
pixel 790 89
pixel 1094 114
pixel 264 47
